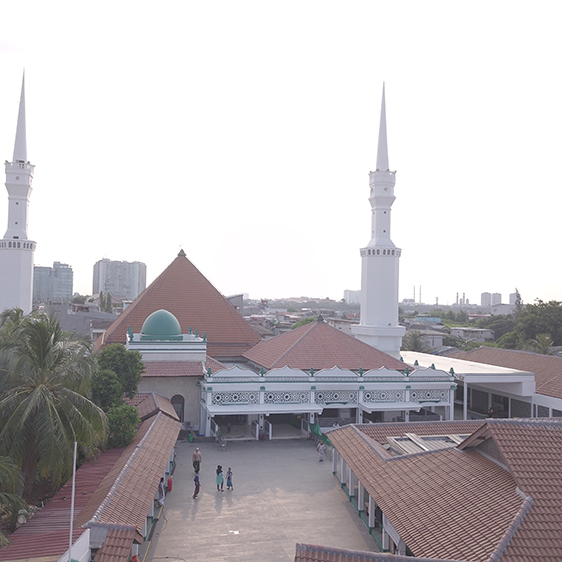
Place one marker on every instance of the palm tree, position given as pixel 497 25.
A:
pixel 414 340
pixel 10 502
pixel 542 343
pixel 44 380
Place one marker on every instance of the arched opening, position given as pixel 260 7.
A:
pixel 178 403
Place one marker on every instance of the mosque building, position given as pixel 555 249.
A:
pixel 16 249
pixel 203 356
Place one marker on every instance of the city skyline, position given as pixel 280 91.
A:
pixel 212 132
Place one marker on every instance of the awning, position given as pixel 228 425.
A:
pixel 266 409
pixel 389 406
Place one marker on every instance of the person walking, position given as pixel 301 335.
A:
pixel 229 479
pixel 197 486
pixel 196 458
pixel 161 492
pixel 220 479
pixel 321 448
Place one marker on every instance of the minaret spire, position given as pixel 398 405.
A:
pixel 20 146
pixel 382 153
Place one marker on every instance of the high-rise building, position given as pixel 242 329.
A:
pixel 122 279
pixel 496 298
pixel 352 297
pixel 486 299
pixel 16 250
pixel 380 260
pixel 52 283
pixel 513 298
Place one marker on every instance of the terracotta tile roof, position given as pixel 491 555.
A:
pixel 533 451
pixel 149 404
pixel 120 499
pixel 320 346
pixel 117 546
pixel 47 533
pixel 315 553
pixel 182 290
pixel 445 504
pixel 547 369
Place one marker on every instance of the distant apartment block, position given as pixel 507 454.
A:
pixel 122 279
pixel 512 298
pixel 352 297
pixel 52 284
pixel 496 298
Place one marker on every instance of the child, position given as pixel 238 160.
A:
pixel 197 486
pixel 229 479
pixel 220 479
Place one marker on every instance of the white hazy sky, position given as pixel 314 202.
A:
pixel 244 132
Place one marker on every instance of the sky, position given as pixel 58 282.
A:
pixel 244 133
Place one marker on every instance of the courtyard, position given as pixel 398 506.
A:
pixel 282 495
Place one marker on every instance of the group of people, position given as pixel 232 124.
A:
pixel 196 458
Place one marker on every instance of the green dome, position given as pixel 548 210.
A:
pixel 161 324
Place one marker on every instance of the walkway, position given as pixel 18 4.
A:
pixel 282 495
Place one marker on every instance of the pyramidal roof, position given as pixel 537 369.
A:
pixel 320 346
pixel 182 290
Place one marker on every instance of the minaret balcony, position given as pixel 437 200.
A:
pixel 380 252
pixel 18 165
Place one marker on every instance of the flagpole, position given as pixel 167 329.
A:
pixel 72 506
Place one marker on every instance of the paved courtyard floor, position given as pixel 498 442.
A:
pixel 282 495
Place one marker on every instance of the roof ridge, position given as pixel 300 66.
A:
pixel 512 528
pixel 306 329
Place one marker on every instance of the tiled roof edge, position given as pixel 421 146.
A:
pixel 373 444
pixel 509 533
pixel 306 549
pixel 99 511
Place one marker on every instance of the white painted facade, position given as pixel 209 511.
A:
pixel 16 250
pixel 241 392
pixel 379 326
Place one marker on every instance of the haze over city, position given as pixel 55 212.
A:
pixel 244 134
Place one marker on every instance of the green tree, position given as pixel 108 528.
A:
pixel 102 301
pixel 45 377
pixel 303 322
pixel 414 340
pixel 108 303
pixel 126 364
pixel 500 324
pixel 106 389
pixel 541 344
pixel 541 318
pixel 511 340
pixel 123 423
pixel 10 502
pixel 518 303
pixel 79 299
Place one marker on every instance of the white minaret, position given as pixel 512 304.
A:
pixel 16 250
pixel 379 268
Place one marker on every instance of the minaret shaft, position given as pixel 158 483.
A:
pixel 380 259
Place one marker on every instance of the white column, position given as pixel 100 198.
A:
pixel 335 457
pixel 372 507
pixel 343 467
pixel 385 540
pixel 407 415
pixel 351 484
pixel 360 496
pixel 465 400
